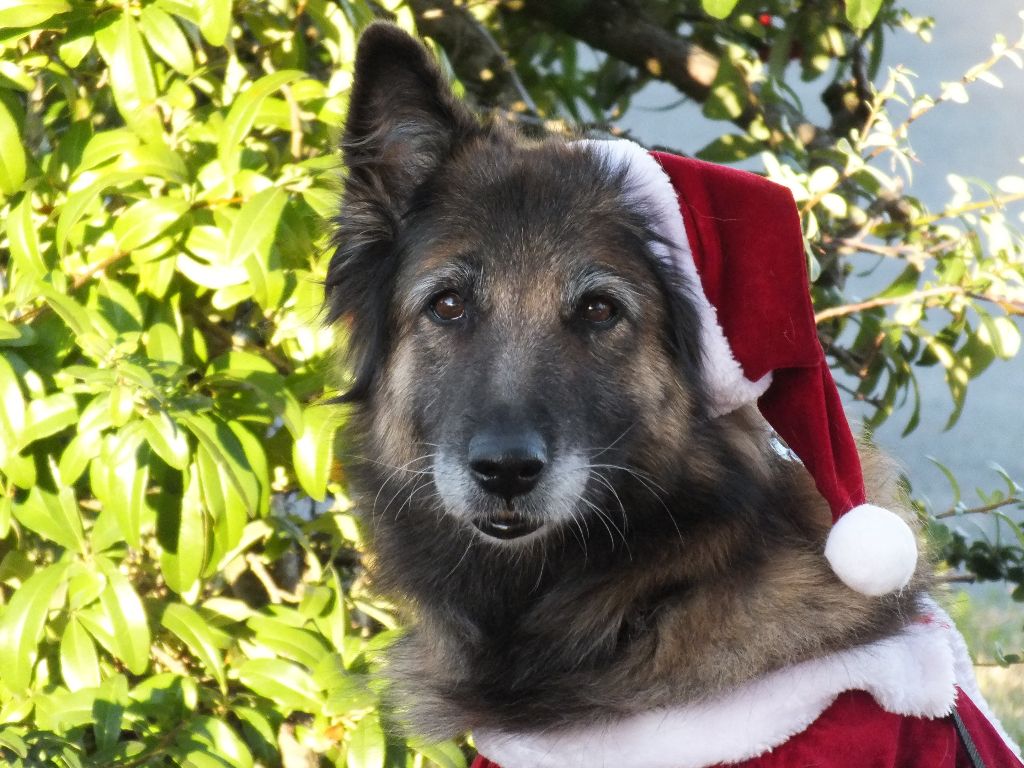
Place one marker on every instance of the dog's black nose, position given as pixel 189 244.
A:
pixel 507 463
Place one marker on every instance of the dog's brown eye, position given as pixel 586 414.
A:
pixel 448 306
pixel 597 309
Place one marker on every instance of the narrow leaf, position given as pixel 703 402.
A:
pixel 52 516
pixel 131 76
pixel 24 239
pixel 79 665
pixel 166 38
pixel 183 559
pixel 29 13
pixel 313 451
pixel 214 20
pixel 164 437
pixel 366 746
pixel 22 623
pixel 256 223
pixel 202 641
pixel 861 13
pixel 12 152
pixel 243 114
pixel 283 682
pixel 123 608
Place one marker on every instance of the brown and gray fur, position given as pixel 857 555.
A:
pixel 680 554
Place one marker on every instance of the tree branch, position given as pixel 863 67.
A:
pixel 623 29
pixel 475 55
pixel 980 510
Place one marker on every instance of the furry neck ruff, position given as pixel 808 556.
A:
pixel 914 673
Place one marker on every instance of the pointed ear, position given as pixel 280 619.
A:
pixel 403 119
pixel 403 122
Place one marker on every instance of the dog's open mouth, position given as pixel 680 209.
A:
pixel 506 525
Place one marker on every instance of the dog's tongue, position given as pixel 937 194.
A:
pixel 506 525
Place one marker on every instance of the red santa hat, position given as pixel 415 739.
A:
pixel 735 238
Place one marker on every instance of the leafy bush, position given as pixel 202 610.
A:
pixel 172 595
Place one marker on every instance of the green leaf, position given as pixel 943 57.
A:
pixel 226 449
pixel 163 343
pixel 1001 334
pixel 107 717
pixel 105 146
pixel 313 451
pixel 243 114
pixel 256 223
pixel 78 202
pixel 79 665
pixel 292 643
pixel 130 639
pixel 730 148
pixel 221 740
pixel 184 557
pixel 12 152
pixel 224 503
pixel 76 42
pixel 12 415
pixel 447 754
pixel 861 13
pixel 214 20
pixel 719 8
pixel 728 95
pixel 166 39
pixel 48 416
pixel 120 479
pixel 285 683
pixel 84 586
pixel 202 641
pixel 22 623
pixel 164 437
pixel 23 239
pixel 29 13
pixel 6 513
pixel 146 220
pixel 53 516
pixel 131 76
pixel 366 746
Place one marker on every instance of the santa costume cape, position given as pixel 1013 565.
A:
pixel 907 701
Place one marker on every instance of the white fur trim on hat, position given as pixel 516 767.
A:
pixel 651 188
pixel 872 550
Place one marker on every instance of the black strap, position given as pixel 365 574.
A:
pixel 965 737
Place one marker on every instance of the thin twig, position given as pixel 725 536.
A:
pixel 1008 304
pixel 954 512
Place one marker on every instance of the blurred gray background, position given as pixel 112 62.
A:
pixel 982 139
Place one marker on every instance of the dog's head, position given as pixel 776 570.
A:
pixel 521 357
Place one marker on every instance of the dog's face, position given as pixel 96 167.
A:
pixel 518 350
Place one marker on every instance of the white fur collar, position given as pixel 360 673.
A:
pixel 914 673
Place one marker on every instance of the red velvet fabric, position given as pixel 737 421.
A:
pixel 745 235
pixel 855 732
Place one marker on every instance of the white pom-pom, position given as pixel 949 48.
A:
pixel 872 550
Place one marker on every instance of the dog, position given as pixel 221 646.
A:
pixel 577 535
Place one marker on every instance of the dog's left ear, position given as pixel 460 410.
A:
pixel 403 123
pixel 403 119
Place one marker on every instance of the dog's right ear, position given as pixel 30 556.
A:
pixel 403 122
pixel 403 119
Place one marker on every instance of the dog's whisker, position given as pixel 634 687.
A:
pixel 397 470
pixel 610 445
